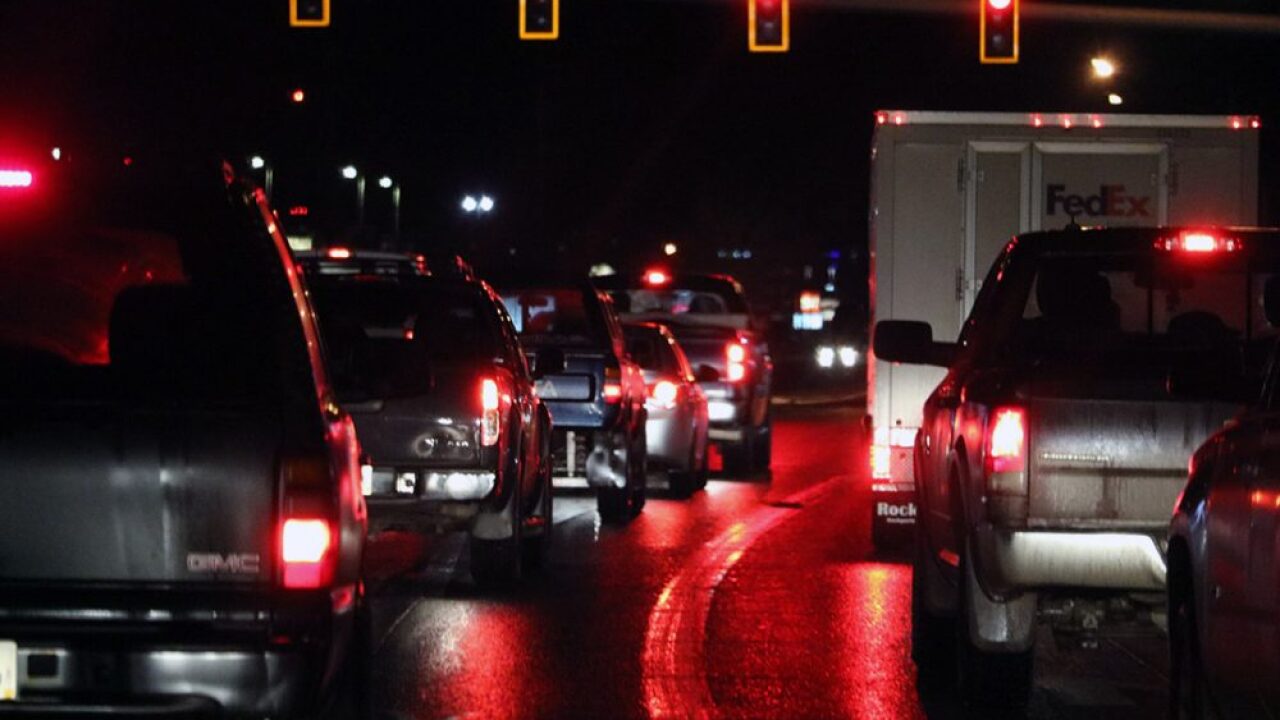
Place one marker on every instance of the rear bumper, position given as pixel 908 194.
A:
pixel 418 515
pixel 163 682
pixel 1011 561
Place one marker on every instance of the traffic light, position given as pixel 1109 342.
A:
pixel 999 30
pixel 769 25
pixel 308 13
pixel 539 19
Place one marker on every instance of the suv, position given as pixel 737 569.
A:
pixel 183 526
pixel 431 370
pixel 709 315
pixel 1054 447
pixel 595 392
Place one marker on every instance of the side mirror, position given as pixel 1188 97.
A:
pixel 549 361
pixel 707 374
pixel 911 342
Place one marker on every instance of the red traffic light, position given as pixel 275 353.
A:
pixel 298 96
pixel 998 32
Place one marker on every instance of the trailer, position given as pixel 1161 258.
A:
pixel 948 191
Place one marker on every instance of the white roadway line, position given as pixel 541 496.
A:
pixel 675 680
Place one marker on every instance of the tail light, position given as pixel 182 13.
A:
pixel 494 398
pixel 1005 457
pixel 611 390
pixel 735 356
pixel 1199 242
pixel 306 527
pixel 305 545
pixel 339 253
pixel 664 394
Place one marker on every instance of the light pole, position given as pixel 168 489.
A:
pixel 386 183
pixel 268 173
pixel 350 172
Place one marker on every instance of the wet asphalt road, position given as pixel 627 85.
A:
pixel 759 598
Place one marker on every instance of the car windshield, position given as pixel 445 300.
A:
pixel 1125 318
pixel 555 317
pixel 383 338
pixel 176 301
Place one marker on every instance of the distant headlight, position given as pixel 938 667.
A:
pixel 826 356
pixel 848 356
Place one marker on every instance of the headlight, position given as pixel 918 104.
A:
pixel 826 356
pixel 848 356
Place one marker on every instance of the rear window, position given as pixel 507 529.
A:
pixel 386 333
pixel 556 317
pixel 166 298
pixel 678 301
pixel 1136 316
pixel 651 351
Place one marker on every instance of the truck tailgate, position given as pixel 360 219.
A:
pixel 116 496
pixel 1113 463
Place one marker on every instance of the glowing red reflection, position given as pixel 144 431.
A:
pixel 875 636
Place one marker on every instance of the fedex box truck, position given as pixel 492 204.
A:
pixel 949 189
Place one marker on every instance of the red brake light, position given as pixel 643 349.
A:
pixel 1199 242
pixel 735 354
pixel 657 277
pixel 304 552
pixel 612 392
pixel 1007 441
pixel 16 178
pixel 491 397
pixel 339 253
pixel 664 394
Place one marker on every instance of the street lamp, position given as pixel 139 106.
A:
pixel 1103 68
pixel 257 162
pixel 350 172
pixel 669 249
pixel 469 204
pixel 1115 99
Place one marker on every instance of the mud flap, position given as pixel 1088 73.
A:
pixel 997 626
pixel 497 525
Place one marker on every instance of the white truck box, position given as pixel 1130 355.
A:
pixel 949 189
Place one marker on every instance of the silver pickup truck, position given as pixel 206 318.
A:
pixel 1093 364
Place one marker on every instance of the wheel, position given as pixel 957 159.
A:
pixel 498 564
pixel 989 681
pixel 933 638
pixel 739 456
pixel 537 543
pixel 638 465
pixel 614 504
pixel 1188 697
pixel 763 450
pixel 352 696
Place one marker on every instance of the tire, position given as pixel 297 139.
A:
pixel 536 546
pixel 614 504
pixel 353 694
pixel 1188 696
pixel 739 456
pixel 638 463
pixel 991 682
pixel 933 638
pixel 762 455
pixel 684 482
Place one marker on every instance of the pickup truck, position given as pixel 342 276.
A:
pixel 595 392
pixel 710 318
pixel 1058 440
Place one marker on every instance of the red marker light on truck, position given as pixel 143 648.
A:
pixel 304 552
pixel 1199 242
pixel 339 253
pixel 657 277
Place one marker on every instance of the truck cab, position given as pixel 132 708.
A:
pixel 1093 365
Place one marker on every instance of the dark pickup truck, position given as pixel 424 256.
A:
pixel 595 392
pixel 709 315
pixel 1054 448
pixel 181 527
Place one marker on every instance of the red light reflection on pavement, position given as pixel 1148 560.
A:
pixel 875 639
pixel 675 680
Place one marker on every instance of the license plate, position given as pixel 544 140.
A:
pixel 8 670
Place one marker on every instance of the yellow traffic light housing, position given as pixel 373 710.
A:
pixel 769 25
pixel 539 19
pixel 308 13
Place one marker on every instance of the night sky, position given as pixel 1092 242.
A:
pixel 647 122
